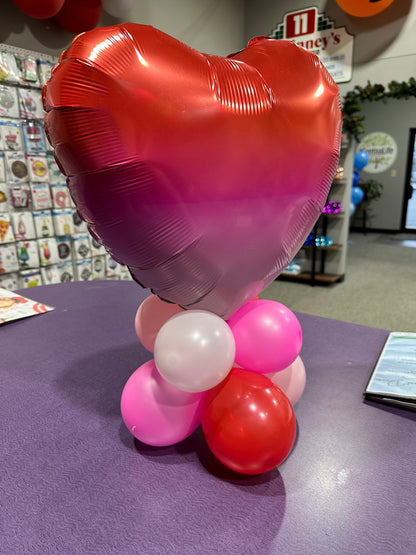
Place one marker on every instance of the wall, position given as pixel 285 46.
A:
pixel 384 50
pixel 394 117
pixel 212 26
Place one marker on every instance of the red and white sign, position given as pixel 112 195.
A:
pixel 317 33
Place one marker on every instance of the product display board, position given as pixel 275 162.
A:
pixel 42 238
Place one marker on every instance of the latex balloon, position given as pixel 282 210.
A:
pixel 268 336
pixel 357 195
pixel 361 159
pixel 364 8
pixel 117 8
pixel 202 174
pixel 291 380
pixel 248 422
pixel 78 16
pixel 41 9
pixel 195 350
pixel 157 413
pixel 150 317
pixel 355 178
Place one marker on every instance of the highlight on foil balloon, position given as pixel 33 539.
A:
pixel 364 8
pixel 291 380
pixel 156 412
pixel 150 317
pixel 248 422
pixel 268 336
pixel 203 174
pixel 195 350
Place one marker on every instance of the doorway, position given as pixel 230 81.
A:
pixel 409 203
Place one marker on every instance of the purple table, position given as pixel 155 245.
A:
pixel 73 480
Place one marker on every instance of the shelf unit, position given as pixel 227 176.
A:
pixel 327 265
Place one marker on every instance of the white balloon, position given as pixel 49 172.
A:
pixel 194 350
pixel 117 8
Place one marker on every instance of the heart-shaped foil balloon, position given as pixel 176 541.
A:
pixel 203 174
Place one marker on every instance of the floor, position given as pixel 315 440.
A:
pixel 379 289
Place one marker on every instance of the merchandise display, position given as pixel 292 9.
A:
pixel 42 238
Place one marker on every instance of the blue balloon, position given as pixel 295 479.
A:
pixel 361 159
pixel 355 178
pixel 357 195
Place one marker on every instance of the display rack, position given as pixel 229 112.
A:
pixel 327 265
pixel 42 238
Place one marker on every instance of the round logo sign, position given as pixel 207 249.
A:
pixel 381 148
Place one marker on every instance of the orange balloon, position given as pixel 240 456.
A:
pixel 364 8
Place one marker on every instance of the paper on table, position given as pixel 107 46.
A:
pixel 15 307
pixel 394 377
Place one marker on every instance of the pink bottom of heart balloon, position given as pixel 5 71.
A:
pixel 156 412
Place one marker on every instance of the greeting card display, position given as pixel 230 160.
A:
pixel 8 258
pixel 23 225
pixel 10 135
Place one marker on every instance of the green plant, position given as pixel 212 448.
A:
pixel 351 108
pixel 372 191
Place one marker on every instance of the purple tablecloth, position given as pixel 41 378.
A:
pixel 73 479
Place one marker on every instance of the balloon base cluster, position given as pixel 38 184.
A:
pixel 238 378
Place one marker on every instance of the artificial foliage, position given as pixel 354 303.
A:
pixel 353 118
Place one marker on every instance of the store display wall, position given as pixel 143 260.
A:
pixel 42 238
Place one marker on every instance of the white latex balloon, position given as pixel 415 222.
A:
pixel 194 350
pixel 117 8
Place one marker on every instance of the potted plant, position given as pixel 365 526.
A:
pixel 372 190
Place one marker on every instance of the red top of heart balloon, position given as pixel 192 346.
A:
pixel 203 174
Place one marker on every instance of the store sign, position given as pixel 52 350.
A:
pixel 316 32
pixel 382 149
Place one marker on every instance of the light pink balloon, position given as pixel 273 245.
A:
pixel 156 412
pixel 268 336
pixel 150 317
pixel 291 380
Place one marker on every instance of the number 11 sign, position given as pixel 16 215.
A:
pixel 317 33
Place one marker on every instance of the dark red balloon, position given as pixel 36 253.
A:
pixel 248 422
pixel 78 16
pixel 41 9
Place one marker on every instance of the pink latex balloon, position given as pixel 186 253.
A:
pixel 291 380
pixel 156 412
pixel 203 174
pixel 150 317
pixel 268 336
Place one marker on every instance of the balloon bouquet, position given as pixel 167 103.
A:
pixel 361 159
pixel 204 175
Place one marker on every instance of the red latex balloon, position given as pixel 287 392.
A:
pixel 248 422
pixel 78 16
pixel 40 9
pixel 203 174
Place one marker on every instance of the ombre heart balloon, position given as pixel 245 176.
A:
pixel 203 174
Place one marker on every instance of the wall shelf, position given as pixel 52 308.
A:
pixel 326 265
